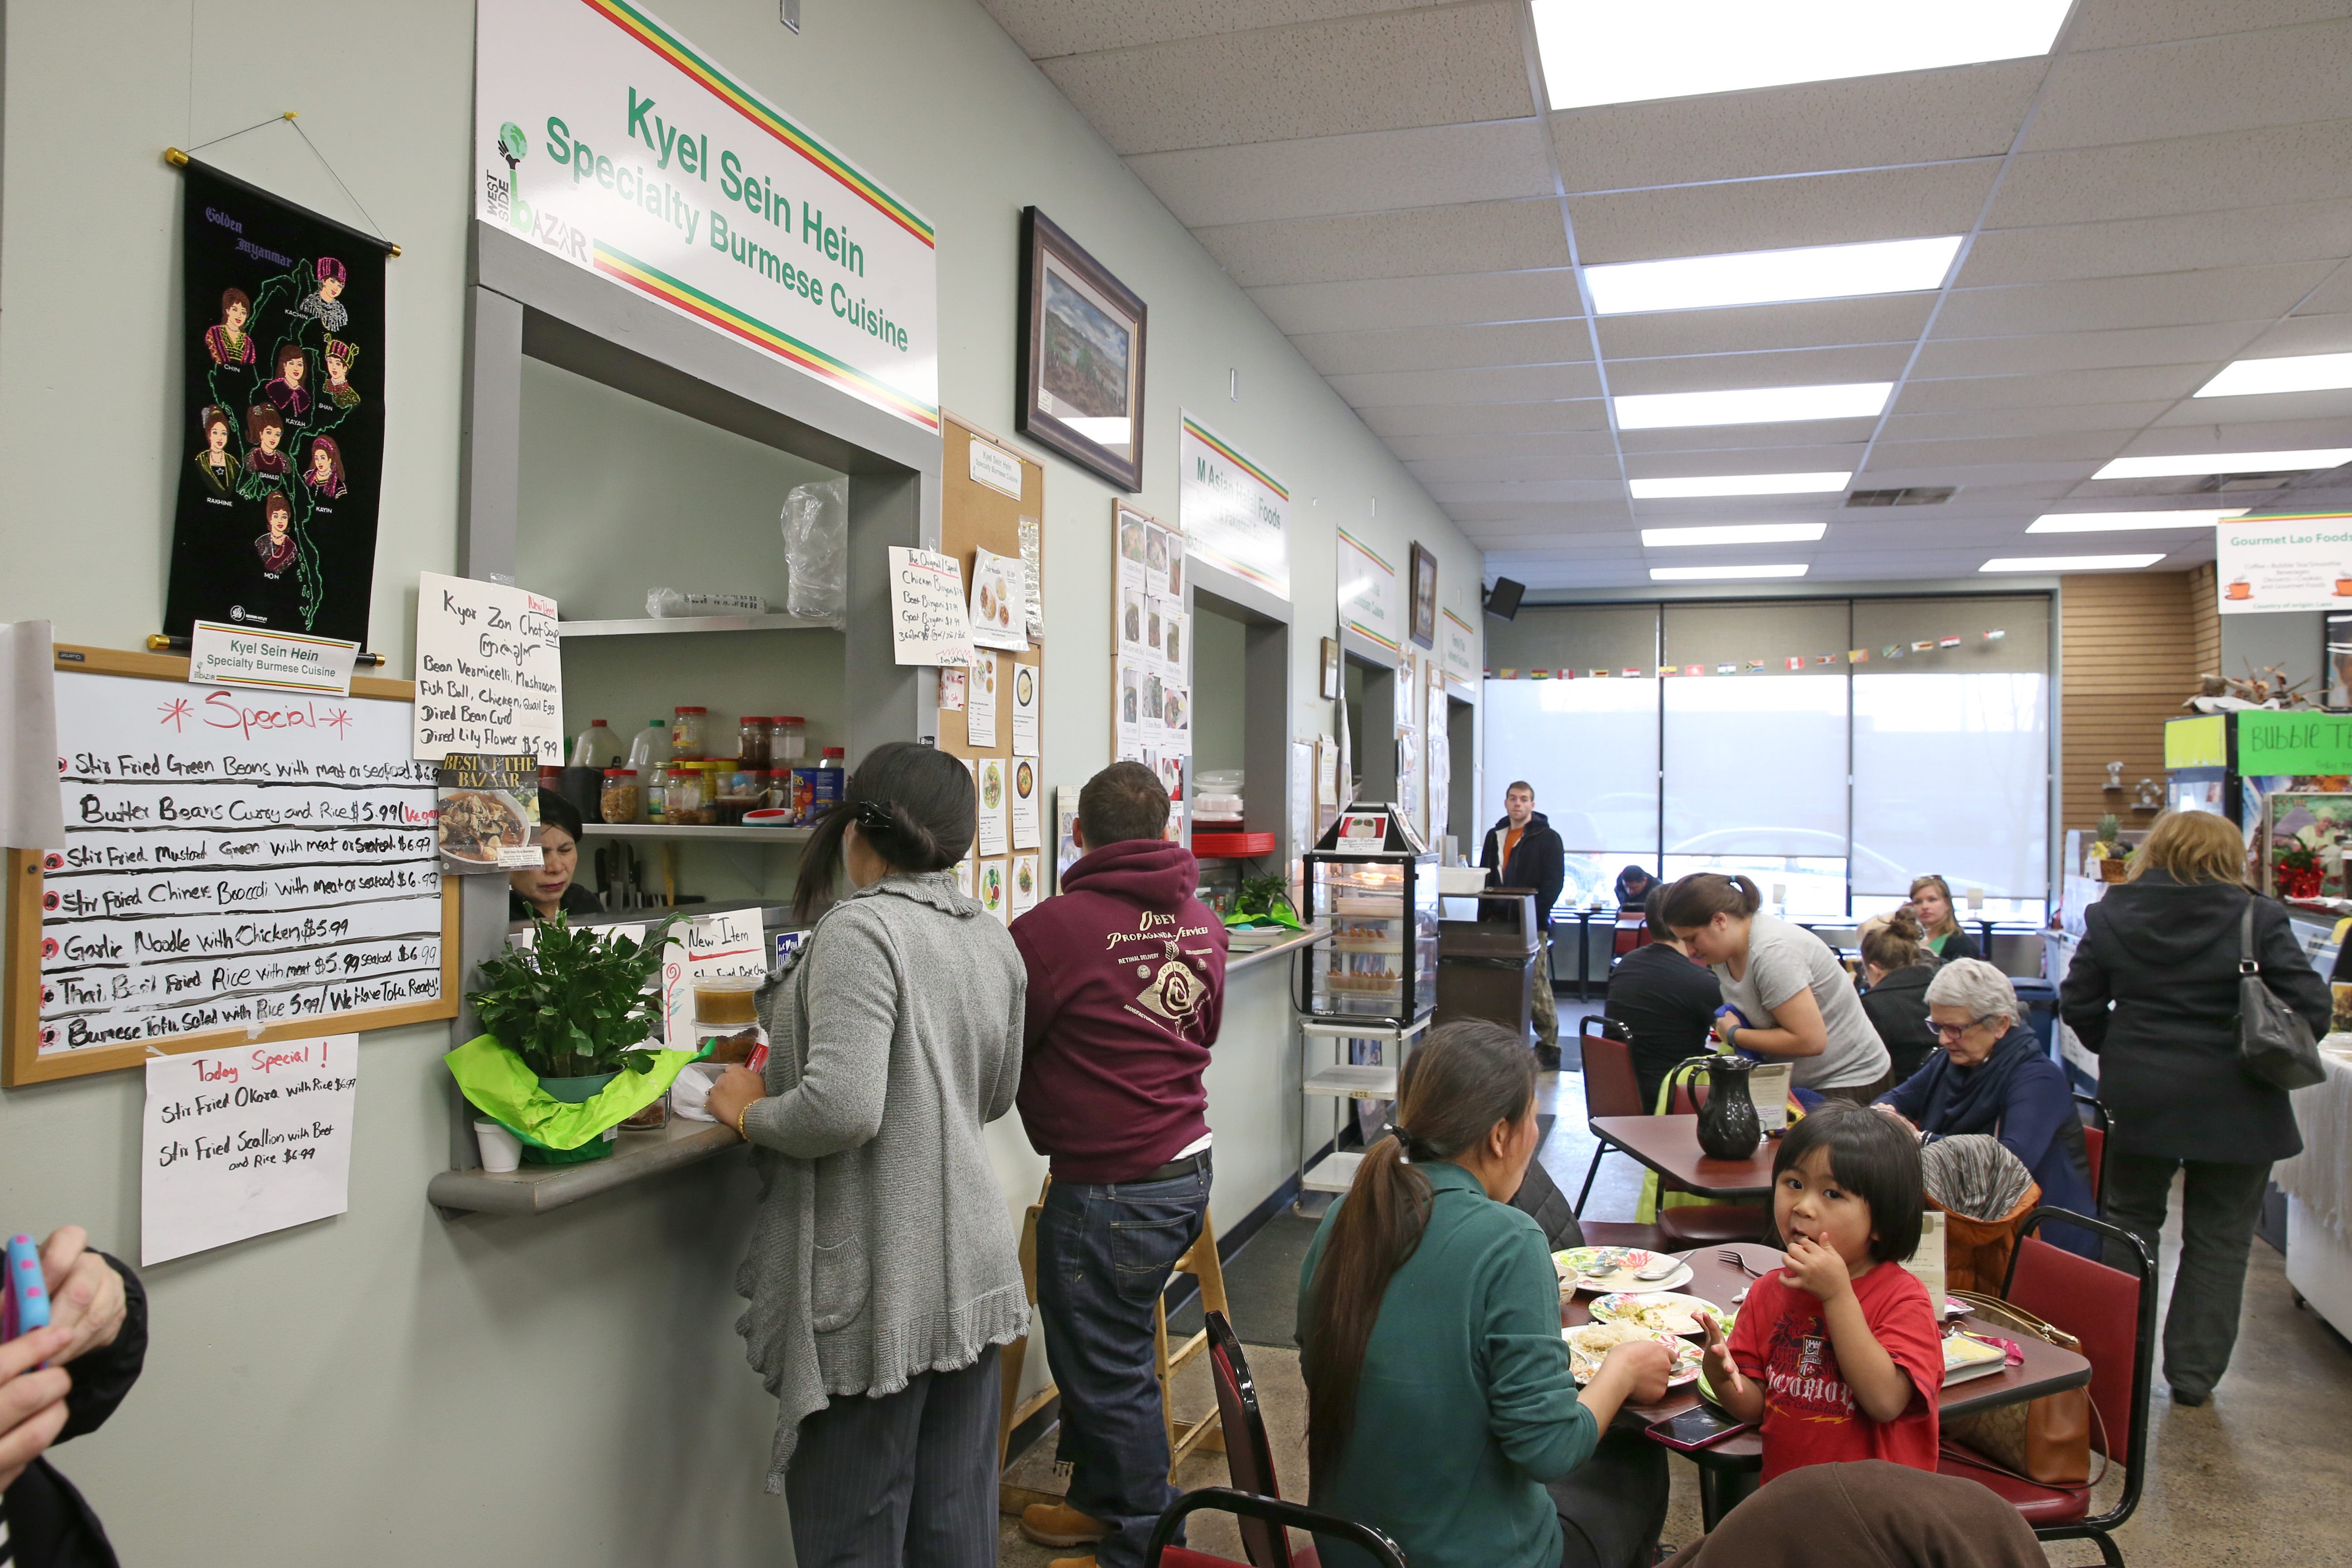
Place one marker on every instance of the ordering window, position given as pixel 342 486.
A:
pixel 1740 760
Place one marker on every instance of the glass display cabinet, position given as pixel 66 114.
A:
pixel 1373 880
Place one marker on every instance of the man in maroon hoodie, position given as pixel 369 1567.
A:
pixel 1126 981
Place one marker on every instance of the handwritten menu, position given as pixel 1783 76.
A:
pixel 240 1142
pixel 232 858
pixel 929 621
pixel 716 947
pixel 489 673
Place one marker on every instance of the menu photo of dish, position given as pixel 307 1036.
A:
pixel 1000 601
pixel 965 870
pixel 980 702
pixel 1022 890
pixel 1131 619
pixel 1026 678
pixel 991 891
pixel 994 786
pixel 1025 830
pixel 488 817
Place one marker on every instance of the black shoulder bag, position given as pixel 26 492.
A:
pixel 2274 1044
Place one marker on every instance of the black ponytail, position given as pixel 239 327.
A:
pixel 913 804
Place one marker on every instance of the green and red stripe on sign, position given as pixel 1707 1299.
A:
pixel 1235 458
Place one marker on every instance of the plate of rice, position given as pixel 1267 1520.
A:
pixel 1589 1344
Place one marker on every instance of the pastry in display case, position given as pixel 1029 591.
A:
pixel 1374 881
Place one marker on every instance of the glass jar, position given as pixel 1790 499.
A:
pixel 688 800
pixel 689 732
pixel 621 800
pixel 777 794
pixel 791 741
pixel 834 757
pixel 754 737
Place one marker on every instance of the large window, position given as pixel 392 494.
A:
pixel 1748 742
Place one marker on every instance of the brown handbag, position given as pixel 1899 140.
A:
pixel 2047 1440
pixel 1977 1251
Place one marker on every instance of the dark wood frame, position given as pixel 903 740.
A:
pixel 1424 572
pixel 1039 235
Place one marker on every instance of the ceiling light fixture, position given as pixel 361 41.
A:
pixel 1677 49
pixel 2183 465
pixel 2070 563
pixel 2299 372
pixel 1750 406
pixel 1741 484
pixel 1771 277
pixel 2124 522
pixel 1719 573
pixel 1735 533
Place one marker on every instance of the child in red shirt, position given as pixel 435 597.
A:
pixel 1837 1353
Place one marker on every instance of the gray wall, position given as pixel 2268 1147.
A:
pixel 2291 640
pixel 389 1387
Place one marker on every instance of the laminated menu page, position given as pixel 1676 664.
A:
pixel 488 813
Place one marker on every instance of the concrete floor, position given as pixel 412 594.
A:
pixel 2261 1476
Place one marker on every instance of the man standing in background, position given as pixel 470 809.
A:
pixel 1126 981
pixel 1522 851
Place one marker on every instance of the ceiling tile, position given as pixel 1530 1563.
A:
pixel 2305 231
pixel 2305 335
pixel 2082 351
pixel 1546 514
pixel 1384 71
pixel 2113 24
pixel 1436 471
pixel 1506 383
pixel 1807 323
pixel 1491 492
pixel 1373 303
pixel 1731 441
pixel 1792 367
pixel 1814 460
pixel 1448 348
pixel 2163 299
pixel 2270 167
pixel 2057 446
pixel 2321 422
pixel 2277 77
pixel 1899 468
pixel 1048 27
pixel 1859 122
pixel 1485 418
pixel 1504 444
pixel 1379 171
pixel 2057 389
pixel 1771 214
pixel 2331 297
pixel 1982 423
pixel 1480 236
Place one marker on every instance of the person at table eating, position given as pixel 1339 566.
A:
pixel 1931 904
pixel 1440 1405
pixel 1993 1077
pixel 1665 1000
pixel 1836 1354
pixel 1771 970
pixel 1898 965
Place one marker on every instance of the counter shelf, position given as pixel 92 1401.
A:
pixel 538 1189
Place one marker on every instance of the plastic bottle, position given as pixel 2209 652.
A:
pixel 649 755
pixel 597 748
pixel 834 757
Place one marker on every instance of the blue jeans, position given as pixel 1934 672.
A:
pixel 1104 1253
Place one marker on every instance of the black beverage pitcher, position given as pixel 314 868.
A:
pixel 1728 1127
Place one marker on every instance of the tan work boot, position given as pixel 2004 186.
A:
pixel 1059 1525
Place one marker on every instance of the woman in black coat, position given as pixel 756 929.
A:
pixel 2161 951
pixel 1897 964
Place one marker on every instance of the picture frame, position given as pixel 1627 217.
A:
pixel 1081 355
pixel 1331 685
pixel 2306 836
pixel 1424 596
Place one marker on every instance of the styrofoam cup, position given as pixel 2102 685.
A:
pixel 501 1149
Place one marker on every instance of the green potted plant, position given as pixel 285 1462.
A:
pixel 1263 901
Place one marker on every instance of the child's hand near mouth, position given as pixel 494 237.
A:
pixel 1814 1267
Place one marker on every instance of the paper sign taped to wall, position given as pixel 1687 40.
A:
pixel 241 1142
pixel 489 669
pixel 929 623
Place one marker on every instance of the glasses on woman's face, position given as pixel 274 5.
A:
pixel 1954 1031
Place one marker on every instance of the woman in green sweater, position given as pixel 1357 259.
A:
pixel 1440 1405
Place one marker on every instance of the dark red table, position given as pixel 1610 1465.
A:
pixel 1669 1145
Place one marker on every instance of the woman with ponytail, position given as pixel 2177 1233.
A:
pixel 882 1272
pixel 1440 1405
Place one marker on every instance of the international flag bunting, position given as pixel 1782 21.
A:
pixel 1597 673
pixel 1894 651
pixel 1795 662
pixel 1631 674
pixel 1995 635
pixel 1755 667
pixel 1726 669
pixel 1693 670
pixel 1857 655
pixel 1667 670
pixel 1539 675
pixel 1824 658
pixel 1925 645
pixel 1948 642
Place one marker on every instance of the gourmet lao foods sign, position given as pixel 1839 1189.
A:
pixel 605 138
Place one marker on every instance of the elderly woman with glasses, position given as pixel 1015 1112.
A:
pixel 1990 1074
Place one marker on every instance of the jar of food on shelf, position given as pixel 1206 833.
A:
pixel 621 801
pixel 598 747
pixel 727 1025
pixel 834 757
pixel 791 742
pixel 755 736
pixel 778 794
pixel 687 799
pixel 738 791
pixel 689 732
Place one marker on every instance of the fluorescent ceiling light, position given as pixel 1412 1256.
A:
pixel 1741 484
pixel 1735 533
pixel 1750 406
pixel 1676 49
pixel 1719 573
pixel 2224 463
pixel 2125 521
pixel 2300 373
pixel 2070 563
pixel 1767 277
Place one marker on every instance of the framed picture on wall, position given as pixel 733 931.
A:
pixel 1330 671
pixel 1081 356
pixel 1425 597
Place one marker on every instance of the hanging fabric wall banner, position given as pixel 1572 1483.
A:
pixel 280 446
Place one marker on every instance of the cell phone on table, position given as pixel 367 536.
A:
pixel 1701 1426
pixel 25 1303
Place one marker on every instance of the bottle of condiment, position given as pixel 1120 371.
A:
pixel 687 800
pixel 790 744
pixel 597 747
pixel 620 800
pixel 649 756
pixel 755 736
pixel 689 733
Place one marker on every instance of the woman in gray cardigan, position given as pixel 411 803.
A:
pixel 882 1272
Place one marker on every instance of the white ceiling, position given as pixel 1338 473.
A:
pixel 2169 190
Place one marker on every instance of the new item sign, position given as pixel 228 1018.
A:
pixel 607 140
pixel 2298 562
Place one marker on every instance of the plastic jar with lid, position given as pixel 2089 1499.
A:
pixel 687 799
pixel 689 732
pixel 755 737
pixel 791 741
pixel 621 800
pixel 834 757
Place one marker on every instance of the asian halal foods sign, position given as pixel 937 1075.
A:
pixel 609 141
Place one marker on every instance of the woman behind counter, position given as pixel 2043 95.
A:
pixel 882 1272
pixel 541 892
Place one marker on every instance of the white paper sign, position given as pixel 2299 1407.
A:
pixel 928 623
pixel 1767 1086
pixel 995 467
pixel 716 947
pixel 1000 598
pixel 239 1142
pixel 992 785
pixel 1363 833
pixel 1458 645
pixel 2301 562
pixel 489 669
pixel 1368 593
pixel 224 654
pixel 1033 562
pixel 980 702
pixel 1236 516
pixel 1025 804
pixel 1025 679
pixel 29 814
pixel 1021 892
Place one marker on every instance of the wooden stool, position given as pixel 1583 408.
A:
pixel 1010 1498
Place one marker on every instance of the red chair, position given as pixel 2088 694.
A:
pixel 1703 1224
pixel 2113 1313
pixel 1249 1455
pixel 2094 1145
pixel 1267 1515
pixel 1610 1087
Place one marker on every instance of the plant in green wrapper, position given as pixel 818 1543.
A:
pixel 574 1005
pixel 1263 901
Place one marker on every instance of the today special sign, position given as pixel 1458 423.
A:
pixel 607 140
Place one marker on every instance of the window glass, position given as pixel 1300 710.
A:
pixel 1590 748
